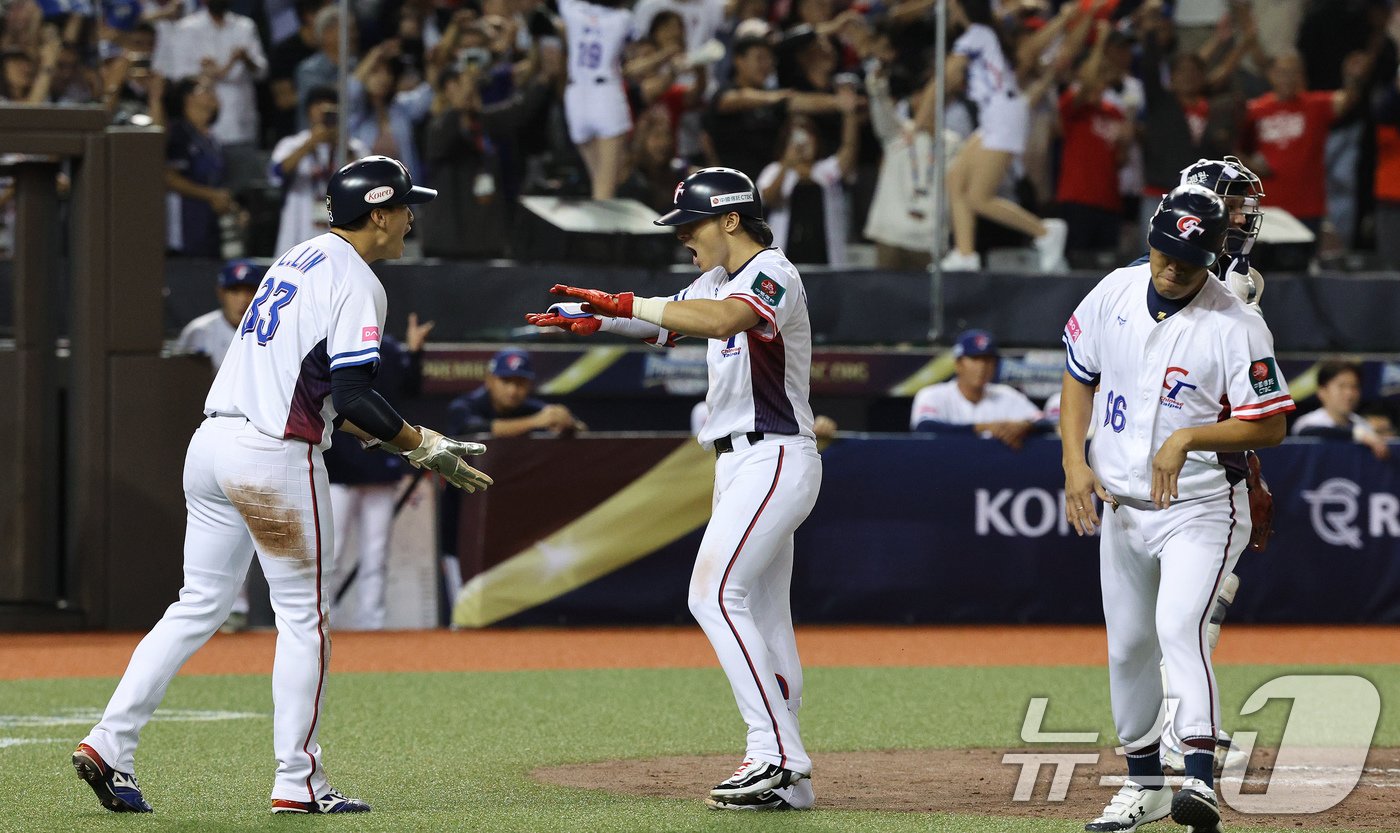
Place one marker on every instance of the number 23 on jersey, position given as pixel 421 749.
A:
pixel 264 326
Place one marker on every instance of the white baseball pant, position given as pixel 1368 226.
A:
pixel 367 510
pixel 238 480
pixel 1161 571
pixel 739 590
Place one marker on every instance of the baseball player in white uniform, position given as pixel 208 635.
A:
pixel 972 402
pixel 211 333
pixel 303 363
pixel 1189 383
pixel 595 103
pixel 1242 193
pixel 751 305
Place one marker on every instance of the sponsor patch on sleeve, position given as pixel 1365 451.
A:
pixel 768 290
pixel 1263 376
pixel 1073 328
pixel 370 334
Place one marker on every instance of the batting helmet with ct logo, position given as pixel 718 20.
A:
pixel 369 183
pixel 711 192
pixel 1190 225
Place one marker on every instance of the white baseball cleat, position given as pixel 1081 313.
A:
pixel 799 796
pixel 1132 807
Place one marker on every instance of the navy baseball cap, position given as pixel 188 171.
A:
pixel 973 343
pixel 241 273
pixel 512 364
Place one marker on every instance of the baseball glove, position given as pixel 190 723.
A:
pixel 1261 504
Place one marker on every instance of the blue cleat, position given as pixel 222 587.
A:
pixel 118 791
pixel 332 802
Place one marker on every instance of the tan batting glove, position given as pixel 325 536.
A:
pixel 443 455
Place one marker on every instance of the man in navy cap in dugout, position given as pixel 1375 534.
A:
pixel 504 407
pixel 211 333
pixel 970 401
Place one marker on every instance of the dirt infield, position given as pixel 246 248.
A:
pixel 24 656
pixel 976 781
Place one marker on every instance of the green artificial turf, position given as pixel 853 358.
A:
pixel 452 751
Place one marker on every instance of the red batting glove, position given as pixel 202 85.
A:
pixel 586 326
pixel 597 301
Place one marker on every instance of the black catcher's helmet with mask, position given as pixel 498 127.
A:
pixel 1231 180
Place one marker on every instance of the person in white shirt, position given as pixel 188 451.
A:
pixel 751 306
pixel 1339 391
pixel 302 165
pixel 595 102
pixel 223 47
pixel 302 365
pixel 980 66
pixel 211 333
pixel 902 213
pixel 971 401
pixel 806 197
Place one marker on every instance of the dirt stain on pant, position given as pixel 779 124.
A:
pixel 277 529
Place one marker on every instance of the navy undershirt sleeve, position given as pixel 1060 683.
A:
pixel 354 397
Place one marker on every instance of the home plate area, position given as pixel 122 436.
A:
pixel 979 782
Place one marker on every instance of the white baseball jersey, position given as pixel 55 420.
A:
pixel 1212 360
pixel 208 335
pixel 319 308
pixel 989 76
pixel 596 35
pixel 943 402
pixel 760 379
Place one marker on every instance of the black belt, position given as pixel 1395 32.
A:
pixel 601 79
pixel 724 445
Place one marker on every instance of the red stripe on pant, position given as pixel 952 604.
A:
pixel 1210 605
pixel 320 626
pixel 735 557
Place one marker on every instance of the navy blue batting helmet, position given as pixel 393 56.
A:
pixel 370 183
pixel 711 192
pixel 1190 225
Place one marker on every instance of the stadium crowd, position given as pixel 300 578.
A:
pixel 1064 121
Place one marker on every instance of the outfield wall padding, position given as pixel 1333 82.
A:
pixel 906 530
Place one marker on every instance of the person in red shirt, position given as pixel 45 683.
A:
pixel 1287 132
pixel 1095 143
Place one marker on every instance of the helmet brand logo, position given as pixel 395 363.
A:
pixel 1189 226
pixel 380 194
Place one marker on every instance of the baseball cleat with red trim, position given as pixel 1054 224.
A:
pixel 118 791
pixel 754 777
pixel 332 802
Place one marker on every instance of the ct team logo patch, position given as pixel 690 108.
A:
pixel 1073 328
pixel 1174 382
pixel 1263 377
pixel 768 290
pixel 370 334
pixel 1189 226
